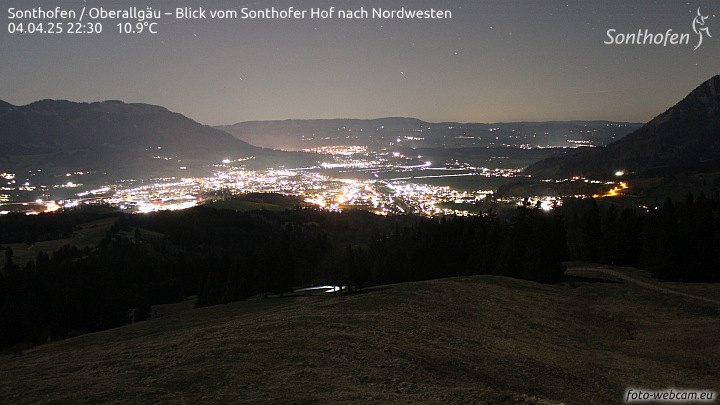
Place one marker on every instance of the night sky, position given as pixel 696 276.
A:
pixel 500 60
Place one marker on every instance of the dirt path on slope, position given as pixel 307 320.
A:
pixel 643 284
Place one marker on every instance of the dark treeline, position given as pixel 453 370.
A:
pixel 676 241
pixel 223 256
pixel 531 245
pixel 217 255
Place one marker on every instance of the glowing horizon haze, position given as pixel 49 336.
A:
pixel 492 61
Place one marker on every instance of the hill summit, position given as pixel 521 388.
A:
pixel 685 138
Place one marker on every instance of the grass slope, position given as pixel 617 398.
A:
pixel 481 339
pixel 88 235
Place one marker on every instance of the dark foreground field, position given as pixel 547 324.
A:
pixel 481 339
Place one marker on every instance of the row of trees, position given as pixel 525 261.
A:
pixel 531 245
pixel 676 241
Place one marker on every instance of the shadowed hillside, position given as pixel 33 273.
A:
pixel 685 138
pixel 480 339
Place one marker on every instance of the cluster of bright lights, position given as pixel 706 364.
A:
pixel 382 197
pixel 343 150
pixel 101 190
pixel 615 191
pixel 545 203
pixel 351 164
pixel 313 184
pixel 51 206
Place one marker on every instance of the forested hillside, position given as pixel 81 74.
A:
pixel 223 256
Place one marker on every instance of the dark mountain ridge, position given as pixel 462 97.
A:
pixel 685 138
pixel 63 124
pixel 5 106
pixel 299 133
pixel 384 132
pixel 111 136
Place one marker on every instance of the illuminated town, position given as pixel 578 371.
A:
pixel 349 180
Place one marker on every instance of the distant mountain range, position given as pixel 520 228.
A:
pixel 110 136
pixel 385 132
pixel 683 139
pixel 120 140
pixel 143 141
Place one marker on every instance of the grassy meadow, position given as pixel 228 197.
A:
pixel 480 339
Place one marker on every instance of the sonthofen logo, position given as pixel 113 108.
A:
pixel 669 37
pixel 700 20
